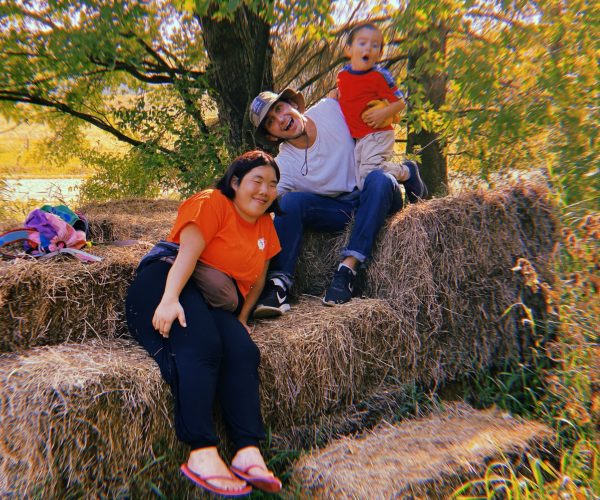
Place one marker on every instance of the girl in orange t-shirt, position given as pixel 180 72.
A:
pixel 205 352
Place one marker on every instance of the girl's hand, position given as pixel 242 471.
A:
pixel 244 322
pixel 165 314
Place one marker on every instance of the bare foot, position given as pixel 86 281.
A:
pixel 206 462
pixel 250 459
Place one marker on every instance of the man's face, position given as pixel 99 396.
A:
pixel 284 121
pixel 365 50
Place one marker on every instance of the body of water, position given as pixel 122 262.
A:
pixel 45 190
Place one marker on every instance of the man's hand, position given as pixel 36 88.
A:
pixel 334 94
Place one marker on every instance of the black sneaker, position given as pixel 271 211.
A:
pixel 342 285
pixel 415 188
pixel 274 300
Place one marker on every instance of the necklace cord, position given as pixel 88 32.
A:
pixel 304 167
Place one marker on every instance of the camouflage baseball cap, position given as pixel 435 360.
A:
pixel 261 105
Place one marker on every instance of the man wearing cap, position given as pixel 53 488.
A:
pixel 318 189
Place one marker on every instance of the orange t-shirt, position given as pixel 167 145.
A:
pixel 233 245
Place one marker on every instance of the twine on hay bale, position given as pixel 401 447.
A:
pixel 84 418
pixel 426 457
pixel 61 299
pixel 148 220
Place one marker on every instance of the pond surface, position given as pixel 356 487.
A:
pixel 41 189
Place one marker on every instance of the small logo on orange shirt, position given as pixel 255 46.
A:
pixel 261 243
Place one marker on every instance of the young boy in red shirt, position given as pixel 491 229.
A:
pixel 359 84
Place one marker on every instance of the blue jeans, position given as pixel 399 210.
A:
pixel 379 198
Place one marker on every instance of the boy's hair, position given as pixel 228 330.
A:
pixel 358 27
pixel 241 166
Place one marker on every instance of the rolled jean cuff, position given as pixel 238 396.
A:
pixel 286 278
pixel 357 255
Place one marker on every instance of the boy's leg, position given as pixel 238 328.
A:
pixel 372 151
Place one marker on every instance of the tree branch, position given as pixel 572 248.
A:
pixel 6 95
pixel 316 77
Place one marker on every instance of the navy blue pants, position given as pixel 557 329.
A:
pixel 213 358
pixel 379 198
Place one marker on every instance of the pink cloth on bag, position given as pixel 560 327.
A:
pixel 54 233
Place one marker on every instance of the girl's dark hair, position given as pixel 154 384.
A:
pixel 241 166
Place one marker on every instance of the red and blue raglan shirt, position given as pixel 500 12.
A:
pixel 357 88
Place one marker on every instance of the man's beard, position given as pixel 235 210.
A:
pixel 302 132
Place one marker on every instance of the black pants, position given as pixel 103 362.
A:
pixel 213 357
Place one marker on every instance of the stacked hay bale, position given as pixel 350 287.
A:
pixel 148 220
pixel 446 268
pixel 62 299
pixel 422 458
pixel 316 362
pixel 90 419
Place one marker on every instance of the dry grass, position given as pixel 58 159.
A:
pixel 148 220
pixel 440 283
pixel 62 299
pixel 84 419
pixel 321 359
pixel 423 457
pixel 445 266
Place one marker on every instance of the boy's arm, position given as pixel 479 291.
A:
pixel 387 89
pixel 376 117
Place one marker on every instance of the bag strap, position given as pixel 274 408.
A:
pixel 79 254
pixel 16 235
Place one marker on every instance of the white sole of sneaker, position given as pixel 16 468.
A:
pixel 270 312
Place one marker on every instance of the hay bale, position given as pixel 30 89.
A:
pixel 89 420
pixel 62 299
pixel 319 359
pixel 148 220
pixel 445 266
pixel 425 458
pixel 388 401
pixel 96 396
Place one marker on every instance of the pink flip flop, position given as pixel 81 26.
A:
pixel 203 483
pixel 270 484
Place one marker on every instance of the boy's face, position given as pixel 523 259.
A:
pixel 365 50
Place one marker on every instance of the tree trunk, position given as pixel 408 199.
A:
pixel 427 143
pixel 240 67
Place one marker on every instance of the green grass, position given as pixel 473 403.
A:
pixel 554 384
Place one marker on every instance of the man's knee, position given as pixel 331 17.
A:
pixel 292 203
